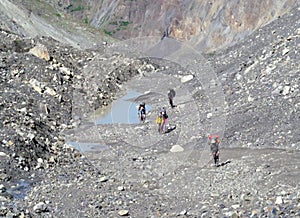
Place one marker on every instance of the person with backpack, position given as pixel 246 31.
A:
pixel 165 119
pixel 171 95
pixel 142 112
pixel 159 121
pixel 214 143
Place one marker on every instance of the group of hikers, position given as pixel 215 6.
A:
pixel 162 119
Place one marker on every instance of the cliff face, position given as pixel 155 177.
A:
pixel 210 24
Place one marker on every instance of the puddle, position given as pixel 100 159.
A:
pixel 124 110
pixel 20 190
pixel 87 147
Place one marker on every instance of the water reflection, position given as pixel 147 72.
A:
pixel 124 110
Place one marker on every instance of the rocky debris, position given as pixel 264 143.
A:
pixel 36 102
pixel 260 79
pixel 140 176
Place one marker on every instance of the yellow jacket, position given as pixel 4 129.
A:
pixel 159 120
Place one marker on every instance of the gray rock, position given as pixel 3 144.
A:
pixel 279 200
pixel 103 179
pixel 177 148
pixel 123 213
pixel 2 188
pixel 40 207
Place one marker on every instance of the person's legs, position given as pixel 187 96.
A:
pixel 171 102
pixel 216 157
pixel 143 117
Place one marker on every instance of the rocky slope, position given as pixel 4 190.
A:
pixel 261 80
pixel 207 24
pixel 38 18
pixel 248 93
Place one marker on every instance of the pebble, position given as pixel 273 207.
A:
pixel 103 179
pixel 187 78
pixel 279 200
pixel 121 188
pixel 2 154
pixel 176 148
pixel 123 212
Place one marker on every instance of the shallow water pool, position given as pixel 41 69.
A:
pixel 123 110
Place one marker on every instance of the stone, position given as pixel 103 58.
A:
pixel 279 200
pixel 40 51
pixel 187 78
pixel 176 148
pixel 121 188
pixel 40 207
pixel 250 99
pixel 2 188
pixel 286 90
pixel 123 212
pixel 50 91
pixel 66 71
pixel 285 51
pixel 235 206
pixel 36 85
pixel 277 91
pixel 2 154
pixel 209 115
pixel 238 76
pixel 3 199
pixel 229 213
pixel 184 212
pixel 103 179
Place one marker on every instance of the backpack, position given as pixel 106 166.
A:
pixel 159 120
pixel 214 139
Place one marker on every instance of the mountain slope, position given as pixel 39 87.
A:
pixel 208 24
pixel 37 18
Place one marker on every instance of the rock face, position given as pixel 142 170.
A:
pixel 207 24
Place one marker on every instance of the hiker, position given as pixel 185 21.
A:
pixel 214 143
pixel 165 119
pixel 159 121
pixel 142 112
pixel 165 34
pixel 171 95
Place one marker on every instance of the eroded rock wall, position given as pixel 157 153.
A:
pixel 210 24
